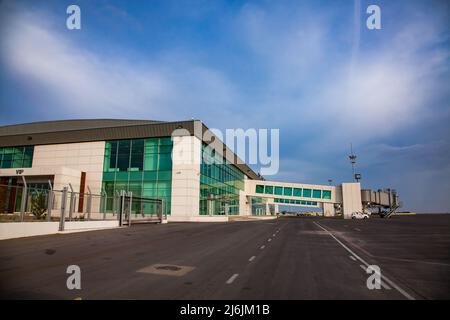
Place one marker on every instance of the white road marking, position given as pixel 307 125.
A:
pixel 357 229
pixel 274 235
pixel 390 282
pixel 232 278
pixel 252 258
pixel 269 239
pixel 262 247
pixel 353 258
pixel 384 285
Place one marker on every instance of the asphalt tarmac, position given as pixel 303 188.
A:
pixel 286 258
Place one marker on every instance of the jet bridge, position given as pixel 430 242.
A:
pixel 386 201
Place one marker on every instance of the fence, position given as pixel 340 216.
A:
pixel 45 204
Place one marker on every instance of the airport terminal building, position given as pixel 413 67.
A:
pixel 106 156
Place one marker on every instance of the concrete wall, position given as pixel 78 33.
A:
pixel 328 209
pixel 84 156
pixel 351 196
pixel 198 218
pixel 185 178
pixel 64 163
pixel 10 230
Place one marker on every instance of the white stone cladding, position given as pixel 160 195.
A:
pixel 185 199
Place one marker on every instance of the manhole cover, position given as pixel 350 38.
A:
pixel 50 251
pixel 166 269
pixel 171 268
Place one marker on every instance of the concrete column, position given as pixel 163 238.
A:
pixel 351 199
pixel 185 197
pixel 244 209
pixel 328 210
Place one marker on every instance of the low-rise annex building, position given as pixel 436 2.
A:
pixel 147 158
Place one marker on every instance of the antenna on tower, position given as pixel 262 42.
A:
pixel 352 158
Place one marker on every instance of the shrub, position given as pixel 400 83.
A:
pixel 38 205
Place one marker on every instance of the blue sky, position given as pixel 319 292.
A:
pixel 301 66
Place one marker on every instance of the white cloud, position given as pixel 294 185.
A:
pixel 311 75
pixel 84 83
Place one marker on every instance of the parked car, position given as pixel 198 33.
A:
pixel 360 215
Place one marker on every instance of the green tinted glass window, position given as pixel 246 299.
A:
pixel 287 191
pixel 279 191
pixel 137 165
pixel 16 157
pixel 307 193
pixel 297 192
pixel 151 162
pixel 268 189
pixel 317 194
pixel 259 188
pixel 222 179
pixel 326 194
pixel 165 161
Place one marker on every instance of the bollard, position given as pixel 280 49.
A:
pixel 50 201
pixel 89 204
pixel 63 209
pixel 24 199
pixel 130 199
pixel 71 204
pixel 105 203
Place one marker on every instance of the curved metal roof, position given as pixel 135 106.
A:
pixel 86 130
pixel 67 125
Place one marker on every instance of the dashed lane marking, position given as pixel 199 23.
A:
pixel 353 258
pixel 232 278
pixel 262 247
pixel 252 258
pixel 390 282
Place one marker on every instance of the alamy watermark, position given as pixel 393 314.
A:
pixel 373 22
pixel 374 280
pixel 234 146
pixel 74 280
pixel 73 21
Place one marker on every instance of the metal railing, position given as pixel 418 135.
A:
pixel 24 203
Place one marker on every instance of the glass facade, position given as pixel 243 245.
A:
pixel 142 166
pixel 16 157
pixel 307 193
pixel 287 191
pixel 220 183
pixel 296 192
pixel 279 191
pixel 292 201
pixel 326 194
pixel 317 194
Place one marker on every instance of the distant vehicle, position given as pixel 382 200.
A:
pixel 360 215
